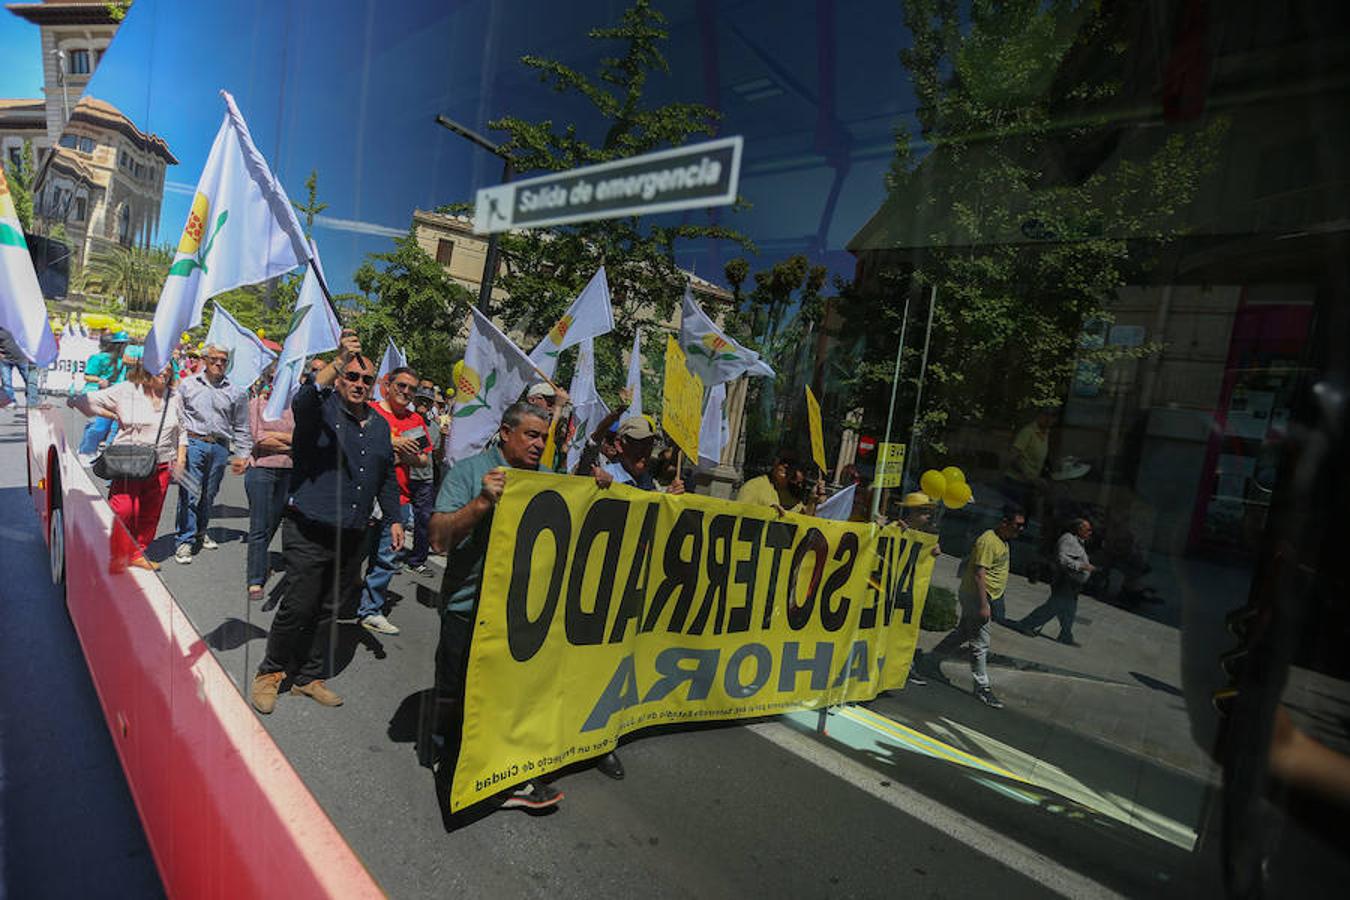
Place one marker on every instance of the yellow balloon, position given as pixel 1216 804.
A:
pixel 953 476
pixel 958 495
pixel 933 483
pixel 262 333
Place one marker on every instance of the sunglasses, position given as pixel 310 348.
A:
pixel 354 377
pixel 403 388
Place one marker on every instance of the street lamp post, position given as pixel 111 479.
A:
pixel 508 170
pixel 61 80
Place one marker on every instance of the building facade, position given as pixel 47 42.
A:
pixel 100 177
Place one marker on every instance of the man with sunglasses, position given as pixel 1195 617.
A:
pixel 344 463
pixel 214 414
pixel 412 448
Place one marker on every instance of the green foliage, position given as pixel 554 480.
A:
pixel 409 297
pixel 545 270
pixel 20 180
pixel 117 9
pixel 1023 248
pixel 311 207
pixel 135 274
pixel 939 610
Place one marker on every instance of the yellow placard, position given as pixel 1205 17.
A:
pixel 603 611
pixel 890 465
pixel 681 401
pixel 817 430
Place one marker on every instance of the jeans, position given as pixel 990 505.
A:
pixel 971 630
pixel 304 628
pixel 206 463
pixel 383 563
pixel 267 488
pixel 1062 604
pixel 30 381
pixel 98 431
pixel 423 501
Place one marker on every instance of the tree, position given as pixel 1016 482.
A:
pixel 410 298
pixel 136 274
pixel 311 207
pixel 545 270
pixel 1030 209
pixel 20 178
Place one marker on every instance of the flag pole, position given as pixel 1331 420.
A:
pixel 323 287
pixel 890 415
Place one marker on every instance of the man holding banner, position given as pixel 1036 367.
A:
pixel 460 526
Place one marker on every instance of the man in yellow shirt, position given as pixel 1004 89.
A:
pixel 1030 447
pixel 781 488
pixel 984 581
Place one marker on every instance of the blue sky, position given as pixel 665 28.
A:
pixel 351 89
pixel 20 48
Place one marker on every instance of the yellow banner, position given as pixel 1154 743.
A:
pixel 681 401
pixel 817 429
pixel 606 611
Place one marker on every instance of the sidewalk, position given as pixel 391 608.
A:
pixel 1122 688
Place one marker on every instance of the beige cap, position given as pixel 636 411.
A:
pixel 637 428
pixel 917 498
pixel 541 389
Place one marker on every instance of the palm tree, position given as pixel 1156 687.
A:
pixel 134 273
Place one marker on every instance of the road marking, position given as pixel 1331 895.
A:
pixel 997 846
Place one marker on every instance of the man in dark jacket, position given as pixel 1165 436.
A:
pixel 344 463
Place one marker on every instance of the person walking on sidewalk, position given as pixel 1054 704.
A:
pixel 984 581
pixel 214 414
pixel 1072 570
pixel 343 464
pixel 408 434
pixel 12 359
pixel 267 483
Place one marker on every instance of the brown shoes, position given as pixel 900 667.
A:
pixel 264 692
pixel 319 692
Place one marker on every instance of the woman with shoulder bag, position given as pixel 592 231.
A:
pixel 137 462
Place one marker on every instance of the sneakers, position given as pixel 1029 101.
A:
pixel 317 691
pixel 421 569
pixel 986 696
pixel 208 544
pixel 379 624
pixel 183 554
pixel 533 794
pixel 264 693
pixel 609 766
pixel 255 593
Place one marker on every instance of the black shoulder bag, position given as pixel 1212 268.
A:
pixel 132 462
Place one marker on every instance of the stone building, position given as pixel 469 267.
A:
pixel 100 178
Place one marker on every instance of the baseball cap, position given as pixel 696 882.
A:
pixel 424 393
pixel 917 498
pixel 541 389
pixel 120 337
pixel 637 428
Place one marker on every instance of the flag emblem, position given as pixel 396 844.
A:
pixel 468 384
pixel 8 233
pixel 190 245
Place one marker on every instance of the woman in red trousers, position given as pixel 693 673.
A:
pixel 137 405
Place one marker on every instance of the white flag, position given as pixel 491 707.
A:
pixel 840 505
pixel 248 357
pixel 589 316
pixel 313 330
pixel 393 359
pixel 241 230
pixel 494 374
pixel 712 355
pixel 635 377
pixel 714 433
pixel 22 311
pixel 588 408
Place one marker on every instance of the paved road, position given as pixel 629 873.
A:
pixel 769 807
pixel 67 824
